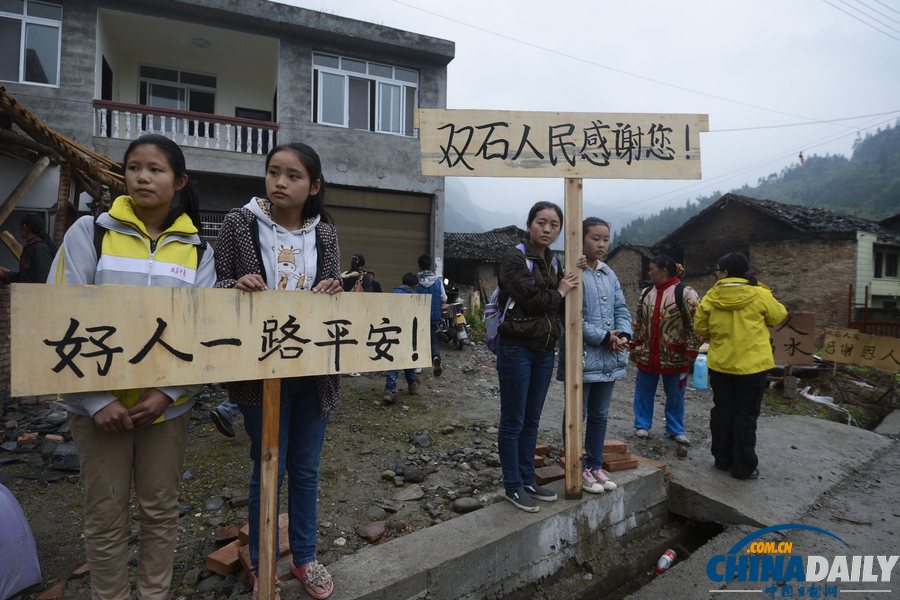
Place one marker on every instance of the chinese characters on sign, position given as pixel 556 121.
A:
pixel 175 336
pixel 854 348
pixel 546 144
pixel 793 342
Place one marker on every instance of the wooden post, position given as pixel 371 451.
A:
pixel 14 246
pixel 574 342
pixel 268 488
pixel 18 193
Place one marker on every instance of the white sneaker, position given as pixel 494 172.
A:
pixel 642 433
pixel 590 484
pixel 602 477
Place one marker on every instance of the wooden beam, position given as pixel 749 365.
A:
pixel 14 246
pixel 62 202
pixel 268 488
pixel 574 341
pixel 20 190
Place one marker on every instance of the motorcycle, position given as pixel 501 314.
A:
pixel 453 328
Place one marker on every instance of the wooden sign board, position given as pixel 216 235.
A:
pixel 486 143
pixel 91 338
pixel 854 348
pixel 794 341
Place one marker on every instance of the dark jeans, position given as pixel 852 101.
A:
pixel 597 396
pixel 732 420
pixel 435 340
pixel 524 377
pixel 390 378
pixel 302 432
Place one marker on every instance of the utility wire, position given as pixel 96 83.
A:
pixel 890 112
pixel 888 6
pixel 875 10
pixel 868 15
pixel 584 60
pixel 857 18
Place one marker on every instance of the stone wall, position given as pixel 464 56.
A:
pixel 629 268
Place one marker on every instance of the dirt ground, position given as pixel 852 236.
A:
pixel 443 440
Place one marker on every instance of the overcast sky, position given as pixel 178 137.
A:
pixel 756 65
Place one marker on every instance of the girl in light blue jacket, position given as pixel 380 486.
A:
pixel 606 330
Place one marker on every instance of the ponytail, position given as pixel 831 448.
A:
pixel 737 265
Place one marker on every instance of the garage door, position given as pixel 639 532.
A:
pixel 391 230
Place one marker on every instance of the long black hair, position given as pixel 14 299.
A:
pixel 35 224
pixel 736 264
pixel 315 204
pixel 187 200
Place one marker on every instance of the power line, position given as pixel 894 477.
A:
pixel 584 60
pixel 868 15
pixel 890 112
pixel 875 10
pixel 888 6
pixel 857 18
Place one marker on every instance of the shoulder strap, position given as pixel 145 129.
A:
pixel 679 302
pixel 644 294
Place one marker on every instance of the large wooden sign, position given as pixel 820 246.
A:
pixel 851 347
pixel 486 143
pixel 794 340
pixel 90 338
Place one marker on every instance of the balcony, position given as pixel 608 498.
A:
pixel 116 120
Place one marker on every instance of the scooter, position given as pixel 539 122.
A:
pixel 453 327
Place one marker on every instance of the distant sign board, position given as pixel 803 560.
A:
pixel 485 143
pixel 854 348
pixel 91 338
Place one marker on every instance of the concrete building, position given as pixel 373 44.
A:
pixel 228 80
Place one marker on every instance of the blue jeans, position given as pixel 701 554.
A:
pixel 302 432
pixel 524 377
pixel 597 396
pixel 390 378
pixel 674 385
pixel 228 409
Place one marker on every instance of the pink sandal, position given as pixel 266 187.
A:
pixel 315 579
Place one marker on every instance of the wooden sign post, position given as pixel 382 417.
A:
pixel 573 146
pixel 149 336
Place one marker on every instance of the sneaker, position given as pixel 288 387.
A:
pixel 642 433
pixel 355 374
pixel 540 493
pixel 315 578
pixel 222 423
pixel 521 500
pixel 681 439
pixel 417 370
pixel 390 396
pixel 436 362
pixel 589 484
pixel 602 477
pixel 413 388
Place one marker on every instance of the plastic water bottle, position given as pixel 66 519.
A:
pixel 665 561
pixel 701 373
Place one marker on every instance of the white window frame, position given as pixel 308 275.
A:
pixel 318 104
pixel 27 20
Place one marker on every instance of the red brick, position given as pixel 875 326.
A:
pixel 549 473
pixel 614 447
pixel 538 460
pixel 650 461
pixel 542 450
pixel 223 535
pixel 226 560
pixel 615 456
pixel 620 465
pixel 244 556
pixel 244 533
pixel 54 437
pixel 27 438
pixel 82 570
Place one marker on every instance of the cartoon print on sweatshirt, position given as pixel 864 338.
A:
pixel 288 278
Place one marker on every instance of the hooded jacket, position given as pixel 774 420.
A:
pixel 735 316
pixel 533 320
pixel 250 242
pixel 429 283
pixel 130 257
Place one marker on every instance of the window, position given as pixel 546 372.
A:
pixel 179 90
pixel 886 263
pixel 30 34
pixel 363 95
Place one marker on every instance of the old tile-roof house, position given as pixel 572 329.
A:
pixel 472 259
pixel 228 80
pixel 811 257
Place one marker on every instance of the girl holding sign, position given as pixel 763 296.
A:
pixel 149 237
pixel 287 242
pixel 531 291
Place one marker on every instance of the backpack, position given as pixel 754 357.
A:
pixel 493 316
pixel 692 338
pixel 99 232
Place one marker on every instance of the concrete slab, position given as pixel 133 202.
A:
pixel 799 459
pixel 498 549
pixel 890 425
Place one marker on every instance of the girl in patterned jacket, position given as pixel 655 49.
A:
pixel 286 242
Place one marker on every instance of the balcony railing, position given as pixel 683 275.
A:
pixel 189 129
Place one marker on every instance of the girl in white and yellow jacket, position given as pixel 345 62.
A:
pixel 148 238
